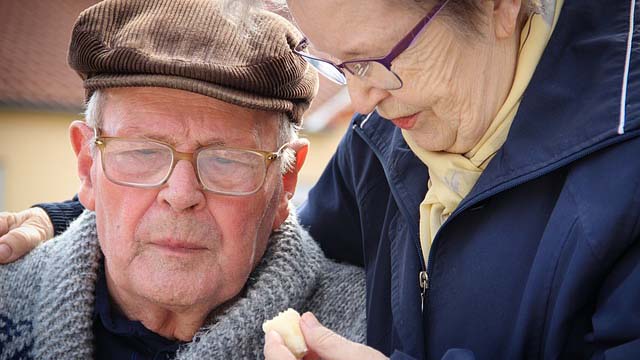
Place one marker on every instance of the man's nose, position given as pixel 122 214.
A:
pixel 183 191
pixel 364 97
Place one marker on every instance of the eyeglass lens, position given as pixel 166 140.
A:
pixel 147 164
pixel 230 171
pixel 141 163
pixel 328 70
pixel 376 74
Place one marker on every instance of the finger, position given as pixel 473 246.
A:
pixel 39 219
pixel 324 342
pixel 17 242
pixel 7 220
pixel 275 349
pixel 311 356
pixel 331 346
pixel 5 252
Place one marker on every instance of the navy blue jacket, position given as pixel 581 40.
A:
pixel 542 258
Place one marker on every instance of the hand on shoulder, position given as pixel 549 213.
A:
pixel 22 231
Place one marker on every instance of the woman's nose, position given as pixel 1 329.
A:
pixel 364 97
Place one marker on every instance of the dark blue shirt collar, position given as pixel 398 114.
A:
pixel 117 337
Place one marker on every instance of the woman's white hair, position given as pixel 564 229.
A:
pixel 546 8
pixel 242 7
pixel 240 12
pixel 287 130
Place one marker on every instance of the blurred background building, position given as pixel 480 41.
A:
pixel 40 96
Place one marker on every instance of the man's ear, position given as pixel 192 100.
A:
pixel 290 180
pixel 81 135
pixel 506 16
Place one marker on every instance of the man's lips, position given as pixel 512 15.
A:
pixel 178 246
pixel 405 122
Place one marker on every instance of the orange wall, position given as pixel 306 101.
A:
pixel 36 158
pixel 39 165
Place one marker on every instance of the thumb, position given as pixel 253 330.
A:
pixel 18 242
pixel 328 345
pixel 26 230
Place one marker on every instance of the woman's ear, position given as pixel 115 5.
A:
pixel 81 136
pixel 290 180
pixel 506 16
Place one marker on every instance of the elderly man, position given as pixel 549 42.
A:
pixel 187 160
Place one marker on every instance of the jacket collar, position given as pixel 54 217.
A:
pixel 406 174
pixel 571 108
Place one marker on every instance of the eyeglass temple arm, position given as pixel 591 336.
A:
pixel 412 35
pixel 274 155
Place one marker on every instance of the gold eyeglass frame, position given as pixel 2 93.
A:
pixel 269 158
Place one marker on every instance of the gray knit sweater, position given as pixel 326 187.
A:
pixel 47 298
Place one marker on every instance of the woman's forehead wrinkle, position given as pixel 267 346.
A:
pixel 353 46
pixel 351 33
pixel 323 22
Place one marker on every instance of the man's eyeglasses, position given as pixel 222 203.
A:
pixel 147 163
pixel 375 71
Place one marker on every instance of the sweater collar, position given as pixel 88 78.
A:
pixel 286 277
pixel 64 301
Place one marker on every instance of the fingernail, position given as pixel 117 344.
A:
pixel 5 252
pixel 273 336
pixel 310 321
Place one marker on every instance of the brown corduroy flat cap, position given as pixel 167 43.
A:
pixel 191 45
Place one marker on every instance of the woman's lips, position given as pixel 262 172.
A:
pixel 405 122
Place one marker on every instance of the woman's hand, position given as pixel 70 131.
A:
pixel 322 343
pixel 21 232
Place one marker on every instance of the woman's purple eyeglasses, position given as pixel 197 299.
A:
pixel 376 71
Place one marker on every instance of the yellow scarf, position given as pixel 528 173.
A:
pixel 451 176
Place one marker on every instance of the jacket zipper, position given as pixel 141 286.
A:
pixel 423 282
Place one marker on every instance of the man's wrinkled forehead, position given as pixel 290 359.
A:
pixel 173 115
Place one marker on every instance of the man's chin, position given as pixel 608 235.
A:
pixel 174 290
pixel 172 280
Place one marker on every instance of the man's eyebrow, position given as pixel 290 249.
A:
pixel 212 142
pixel 175 142
pixel 171 139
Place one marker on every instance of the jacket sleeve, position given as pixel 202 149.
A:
pixel 451 354
pixel 62 213
pixel 616 320
pixel 330 213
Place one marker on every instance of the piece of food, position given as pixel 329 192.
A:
pixel 287 324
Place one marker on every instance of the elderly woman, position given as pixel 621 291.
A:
pixel 497 209
pixel 489 183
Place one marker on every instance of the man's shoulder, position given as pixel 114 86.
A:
pixel 21 280
pixel 337 275
pixel 339 301
pixel 15 335
pixel 335 281
pixel 48 291
pixel 20 283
